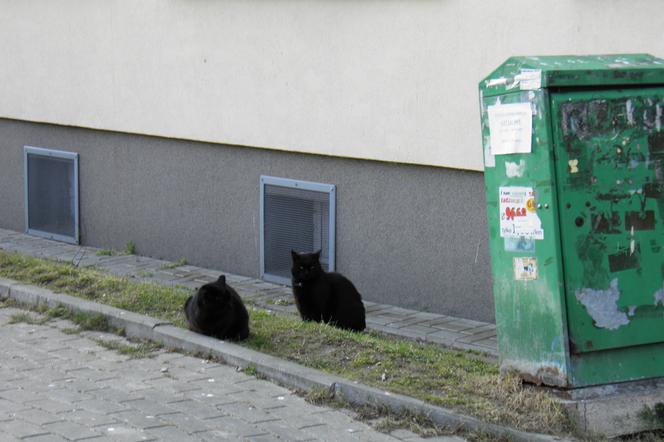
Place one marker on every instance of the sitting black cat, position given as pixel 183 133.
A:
pixel 217 310
pixel 325 297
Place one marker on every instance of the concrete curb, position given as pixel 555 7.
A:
pixel 134 325
pixel 281 371
pixel 359 394
pixel 278 370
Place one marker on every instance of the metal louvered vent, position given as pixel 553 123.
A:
pixel 51 193
pixel 295 215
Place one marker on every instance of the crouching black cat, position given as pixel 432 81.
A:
pixel 217 310
pixel 325 297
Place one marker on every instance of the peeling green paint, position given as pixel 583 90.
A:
pixel 611 210
pixel 597 171
pixel 602 306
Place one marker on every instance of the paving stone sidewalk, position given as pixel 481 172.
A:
pixel 423 326
pixel 57 384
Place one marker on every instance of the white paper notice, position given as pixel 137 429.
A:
pixel 511 127
pixel 529 79
pixel 518 213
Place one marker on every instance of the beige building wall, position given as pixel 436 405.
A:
pixel 377 79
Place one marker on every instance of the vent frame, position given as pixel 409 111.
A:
pixel 287 183
pixel 52 153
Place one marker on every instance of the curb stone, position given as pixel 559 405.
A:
pixel 359 394
pixel 278 370
pixel 134 325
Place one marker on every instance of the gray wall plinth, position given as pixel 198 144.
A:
pixel 407 235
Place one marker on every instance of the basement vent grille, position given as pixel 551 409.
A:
pixel 51 193
pixel 297 215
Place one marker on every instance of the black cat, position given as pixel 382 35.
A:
pixel 325 297
pixel 217 310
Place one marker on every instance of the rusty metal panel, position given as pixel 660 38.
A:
pixel 610 168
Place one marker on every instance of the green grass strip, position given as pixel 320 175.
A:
pixel 449 378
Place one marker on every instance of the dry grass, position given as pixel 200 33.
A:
pixel 454 379
pixel 525 406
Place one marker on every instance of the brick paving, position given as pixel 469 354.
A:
pixel 439 329
pixel 61 385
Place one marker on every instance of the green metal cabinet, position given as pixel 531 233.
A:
pixel 574 174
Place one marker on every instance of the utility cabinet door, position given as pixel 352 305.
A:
pixel 609 154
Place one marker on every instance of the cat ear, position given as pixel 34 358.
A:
pixel 294 254
pixel 222 279
pixel 317 253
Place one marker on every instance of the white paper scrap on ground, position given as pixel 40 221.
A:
pixel 511 127
pixel 518 213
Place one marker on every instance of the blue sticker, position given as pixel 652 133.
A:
pixel 519 245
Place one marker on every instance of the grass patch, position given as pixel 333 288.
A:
pixel 250 370
pixel 83 321
pixel 319 396
pixel 106 252
pixel 130 248
pixel 141 350
pixel 385 421
pixel 172 265
pixel 419 424
pixel 448 378
pixel 280 301
pixel 653 415
pixel 95 322
pixel 142 297
pixel 454 379
pixel 7 302
pixel 71 330
pixel 646 436
pixel 27 318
